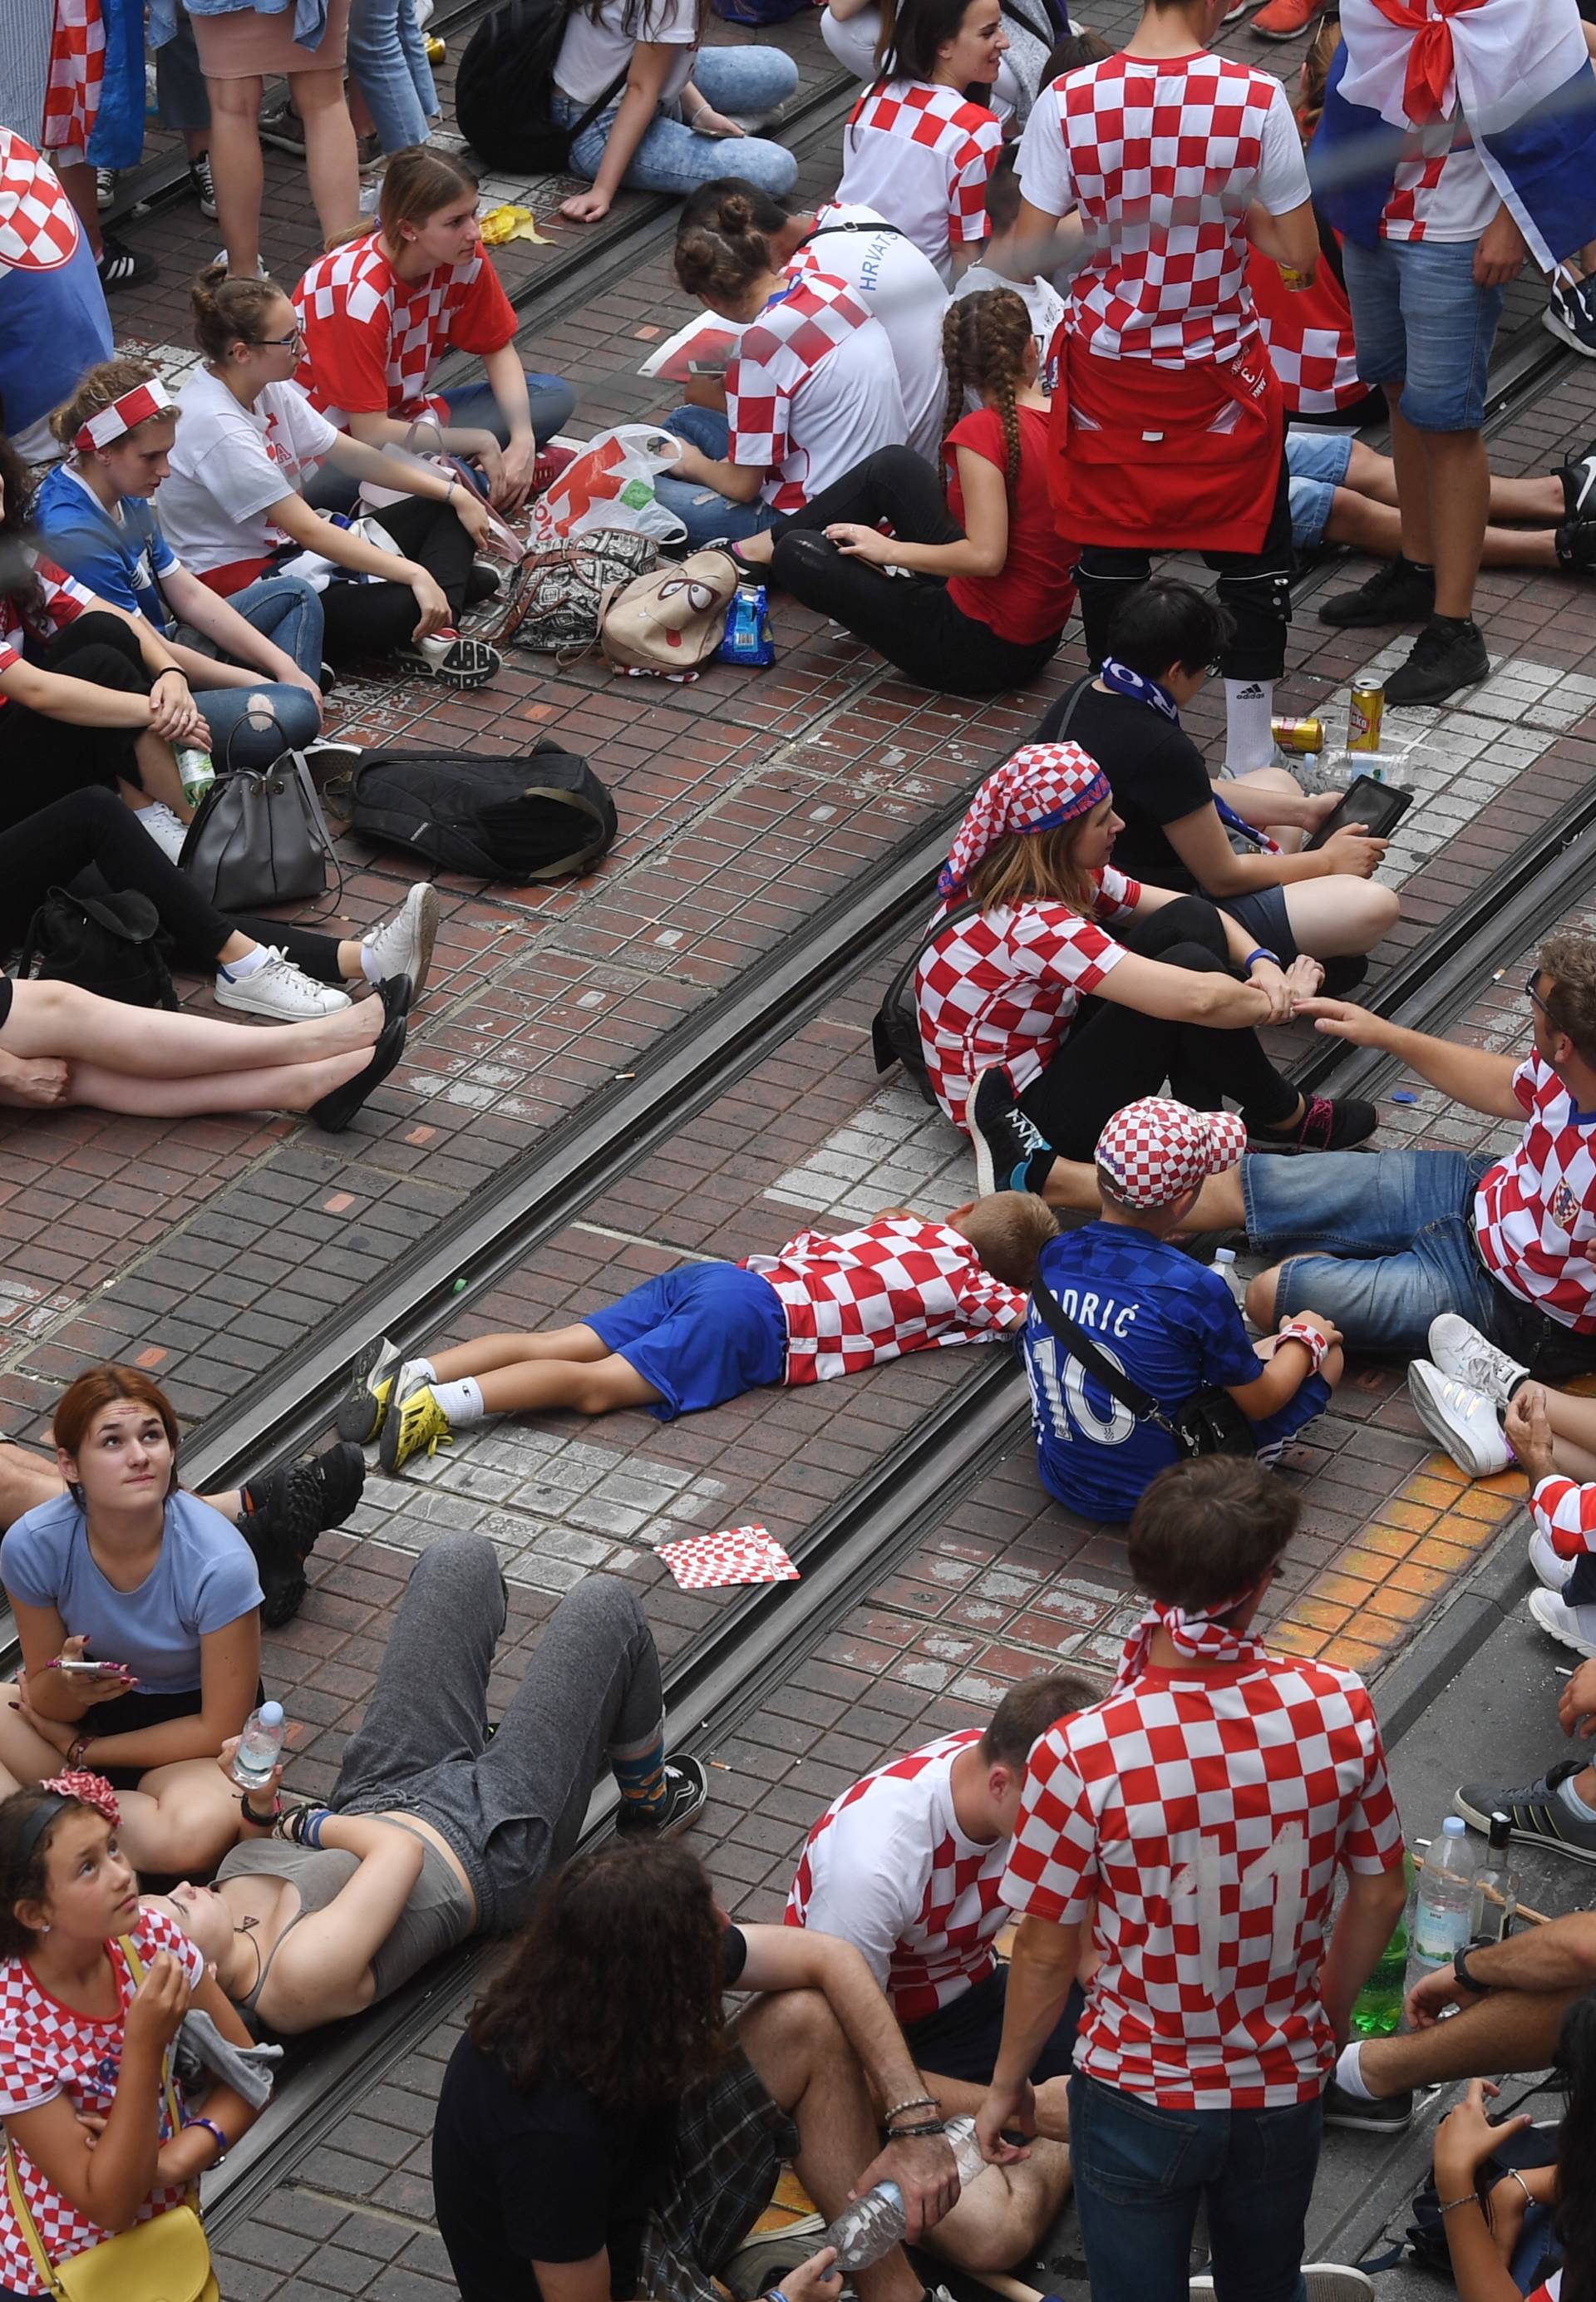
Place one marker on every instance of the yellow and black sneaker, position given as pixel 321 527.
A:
pixel 415 1425
pixel 362 1410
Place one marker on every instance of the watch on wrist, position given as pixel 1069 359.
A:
pixel 1461 1974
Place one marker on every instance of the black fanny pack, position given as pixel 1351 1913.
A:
pixel 1210 1423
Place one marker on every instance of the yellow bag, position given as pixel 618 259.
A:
pixel 165 2259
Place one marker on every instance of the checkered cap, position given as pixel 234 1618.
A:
pixel 1043 786
pixel 1154 1149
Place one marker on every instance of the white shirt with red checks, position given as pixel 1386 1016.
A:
pixel 862 1297
pixel 1162 158
pixel 48 2049
pixel 1535 1211
pixel 371 340
pixel 811 391
pixel 1002 987
pixel 77 76
pixel 1441 190
pixel 61 600
pixel 1565 1511
pixel 1204 1814
pixel 888 1867
pixel 920 155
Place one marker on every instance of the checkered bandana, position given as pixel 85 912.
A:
pixel 1201 1637
pixel 1043 786
pixel 90 1789
pixel 134 408
pixel 1154 1149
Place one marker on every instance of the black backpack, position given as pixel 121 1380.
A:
pixel 894 1027
pixel 505 86
pixel 104 939
pixel 543 818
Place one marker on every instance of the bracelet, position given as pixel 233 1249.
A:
pixel 1452 2204
pixel 303 1824
pixel 912 2102
pixel 699 114
pixel 211 2127
pixel 912 2133
pixel 75 1757
pixel 1311 1339
pixel 1514 2175
pixel 1252 957
pixel 261 1822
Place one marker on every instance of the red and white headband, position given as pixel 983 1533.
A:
pixel 134 408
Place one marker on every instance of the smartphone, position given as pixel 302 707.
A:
pixel 1380 805
pixel 93 1669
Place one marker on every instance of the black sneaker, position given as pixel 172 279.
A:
pixel 1576 546
pixel 1397 593
pixel 1343 976
pixel 686 1790
pixel 202 185
pixel 1325 1126
pixel 363 1408
pixel 1579 486
pixel 1570 316
pixel 1538 1811
pixel 286 1510
pixel 1449 654
pixel 1006 1142
pixel 120 266
pixel 1390 2116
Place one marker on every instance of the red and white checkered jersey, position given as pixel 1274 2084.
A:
pixel 64 600
pixel 372 340
pixel 864 1296
pixel 888 1867
pixel 38 225
pixel 1002 987
pixel 1204 1814
pixel 921 154
pixel 1442 192
pixel 1163 159
pixel 811 391
pixel 47 2049
pixel 77 73
pixel 1535 1211
pixel 1565 1511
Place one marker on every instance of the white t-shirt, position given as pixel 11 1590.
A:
pixel 1040 298
pixel 230 462
pixel 900 286
pixel 593 50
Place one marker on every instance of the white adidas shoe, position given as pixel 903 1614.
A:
pixel 168 830
pixel 1460 1418
pixel 279 991
pixel 1460 1350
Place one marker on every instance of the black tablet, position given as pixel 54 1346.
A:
pixel 1367 800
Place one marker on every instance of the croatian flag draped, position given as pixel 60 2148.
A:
pixel 1519 74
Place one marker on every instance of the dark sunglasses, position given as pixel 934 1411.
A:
pixel 1533 996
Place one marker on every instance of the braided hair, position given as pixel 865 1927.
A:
pixel 984 342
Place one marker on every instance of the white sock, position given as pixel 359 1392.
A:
pixel 1577 1804
pixel 462 1401
pixel 420 1370
pixel 369 964
pixel 1249 742
pixel 238 970
pixel 1349 2074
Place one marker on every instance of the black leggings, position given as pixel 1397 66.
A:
pixel 367 619
pixel 93 826
pixel 1255 587
pixel 1114 1054
pixel 912 621
pixel 42 757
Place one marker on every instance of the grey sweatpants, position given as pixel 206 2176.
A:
pixel 512 1807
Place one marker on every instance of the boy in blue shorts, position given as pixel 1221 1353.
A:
pixel 1166 1321
pixel 820 1306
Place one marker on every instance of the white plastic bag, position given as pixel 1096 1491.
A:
pixel 611 484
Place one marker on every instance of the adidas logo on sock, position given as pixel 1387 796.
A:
pixel 1250 694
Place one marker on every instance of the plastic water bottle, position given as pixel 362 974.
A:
pixel 196 771
pixel 1490 1915
pixel 1377 2011
pixel 874 2224
pixel 260 1747
pixel 1446 1892
pixel 1224 1263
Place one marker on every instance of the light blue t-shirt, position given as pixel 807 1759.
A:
pixel 204 1579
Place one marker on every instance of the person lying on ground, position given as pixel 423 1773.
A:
pixel 906 1865
pixel 89 694
pixel 987 595
pixel 819 1306
pixel 96 516
pixel 1236 840
pixel 1482 2226
pixel 434 1833
pixel 68 1049
pixel 163 1591
pixel 1217 1780
pixel 378 314
pixel 92 1993
pixel 261 967
pixel 234 508
pixel 1037 1023
pixel 1164 1320
pixel 604 2129
pixel 1508 1243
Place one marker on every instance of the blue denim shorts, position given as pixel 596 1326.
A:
pixel 1420 321
pixel 700 1335
pixel 1316 462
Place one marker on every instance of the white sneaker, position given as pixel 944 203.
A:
pixel 1459 1418
pixel 167 830
pixel 403 945
pixel 1550 1569
pixel 1571 1626
pixel 1461 1351
pixel 279 990
pixel 105 188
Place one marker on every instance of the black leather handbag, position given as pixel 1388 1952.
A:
pixel 259 838
pixel 1209 1423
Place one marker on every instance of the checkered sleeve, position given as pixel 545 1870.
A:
pixel 973 164
pixel 1373 1842
pixel 759 410
pixel 27 2081
pixel 1526 1078
pixel 1051 1869
pixel 987 1305
pixel 1118 895
pixel 485 320
pixel 1565 1513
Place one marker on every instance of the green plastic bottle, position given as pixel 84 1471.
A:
pixel 1378 2010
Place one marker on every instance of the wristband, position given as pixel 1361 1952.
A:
pixel 1252 957
pixel 1312 1340
pixel 1461 1973
pixel 212 2129
pixel 912 2133
pixel 75 1757
pixel 912 2102
pixel 261 1822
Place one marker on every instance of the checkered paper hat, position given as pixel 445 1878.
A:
pixel 1043 786
pixel 1154 1149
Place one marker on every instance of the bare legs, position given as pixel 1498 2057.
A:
pixel 1535 502
pixel 237 168
pixel 332 155
pixel 158 775
pixel 25 1480
pixel 531 1374
pixel 180 1818
pixel 1443 490
pixel 1573 1433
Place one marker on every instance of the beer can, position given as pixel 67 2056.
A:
pixel 1302 735
pixel 1292 278
pixel 1363 716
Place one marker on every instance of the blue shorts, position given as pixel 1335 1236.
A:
pixel 1420 321
pixel 700 1335
pixel 1265 915
pixel 1316 463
